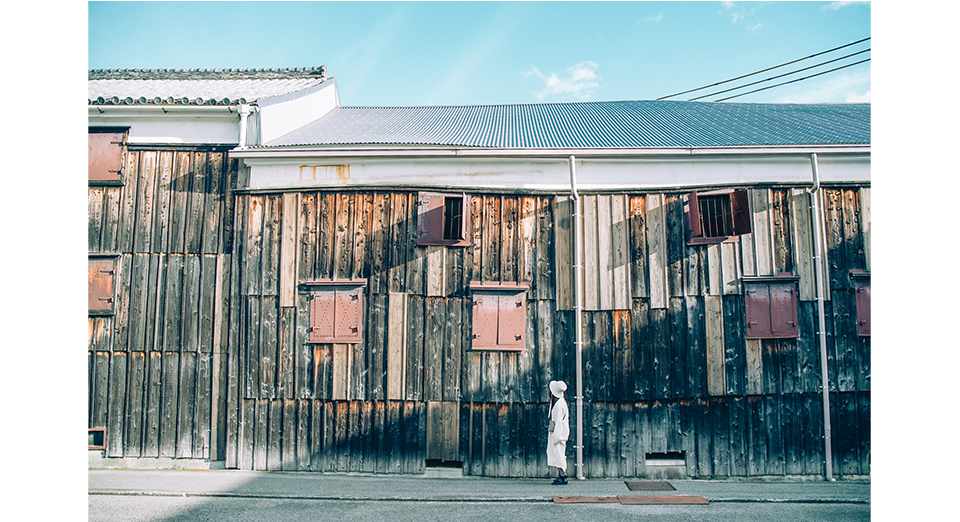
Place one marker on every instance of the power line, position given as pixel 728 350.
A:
pixel 793 81
pixel 779 75
pixel 765 70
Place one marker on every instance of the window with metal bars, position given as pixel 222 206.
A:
pixel 443 219
pixel 716 216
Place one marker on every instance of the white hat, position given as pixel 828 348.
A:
pixel 557 388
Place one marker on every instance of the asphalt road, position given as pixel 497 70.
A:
pixel 116 508
pixel 131 495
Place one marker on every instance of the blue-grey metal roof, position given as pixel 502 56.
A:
pixel 617 124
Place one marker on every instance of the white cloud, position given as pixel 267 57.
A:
pixel 652 18
pixel 579 81
pixel 833 6
pixel 849 87
pixel 858 98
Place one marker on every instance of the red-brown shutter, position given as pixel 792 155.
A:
pixel 100 278
pixel 322 307
pixel 512 324
pixel 783 310
pixel 486 307
pixel 691 209
pixel 740 208
pixel 757 308
pixel 863 307
pixel 347 315
pixel 105 157
pixel 430 218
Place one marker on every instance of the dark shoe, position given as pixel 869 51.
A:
pixel 560 481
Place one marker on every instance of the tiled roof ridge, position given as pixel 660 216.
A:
pixel 259 73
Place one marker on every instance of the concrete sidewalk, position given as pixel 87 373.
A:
pixel 445 486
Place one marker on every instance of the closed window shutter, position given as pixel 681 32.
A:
pixel 347 315
pixel 105 156
pixel 322 310
pixel 783 310
pixel 863 307
pixel 512 321
pixel 486 309
pixel 100 293
pixel 757 304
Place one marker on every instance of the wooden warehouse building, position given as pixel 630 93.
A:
pixel 386 289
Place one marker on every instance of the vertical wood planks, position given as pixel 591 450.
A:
pixel 656 250
pixel 288 248
pixel 713 315
pixel 563 232
pixel 865 224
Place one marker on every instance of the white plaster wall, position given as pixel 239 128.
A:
pixel 172 128
pixel 282 114
pixel 555 174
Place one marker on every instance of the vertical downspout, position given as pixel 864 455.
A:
pixel 578 309
pixel 244 111
pixel 822 326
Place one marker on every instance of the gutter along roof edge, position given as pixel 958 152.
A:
pixel 412 152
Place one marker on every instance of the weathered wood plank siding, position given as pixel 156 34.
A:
pixel 208 357
pixel 156 365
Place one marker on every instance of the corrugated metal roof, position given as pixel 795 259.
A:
pixel 196 86
pixel 618 124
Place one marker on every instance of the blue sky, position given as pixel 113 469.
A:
pixel 453 53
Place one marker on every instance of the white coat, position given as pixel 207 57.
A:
pixel 557 439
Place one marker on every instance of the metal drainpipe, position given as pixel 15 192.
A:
pixel 822 334
pixel 578 309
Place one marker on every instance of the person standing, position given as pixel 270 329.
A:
pixel 559 432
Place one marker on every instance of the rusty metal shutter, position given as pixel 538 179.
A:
pixel 740 208
pixel 100 276
pixel 512 323
pixel 771 309
pixel 322 309
pixel 486 308
pixel 434 215
pixel 757 307
pixel 691 209
pixel 430 218
pixel 347 315
pixel 863 307
pixel 783 310
pixel 105 156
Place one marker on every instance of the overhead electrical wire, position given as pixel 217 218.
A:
pixel 793 81
pixel 765 70
pixel 779 76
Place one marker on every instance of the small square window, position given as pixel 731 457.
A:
pixel 713 217
pixel 443 219
pixel 336 310
pixel 105 155
pixel 499 316
pixel 101 274
pixel 771 308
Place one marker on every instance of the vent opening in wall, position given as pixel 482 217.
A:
pixel 96 438
pixel 666 458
